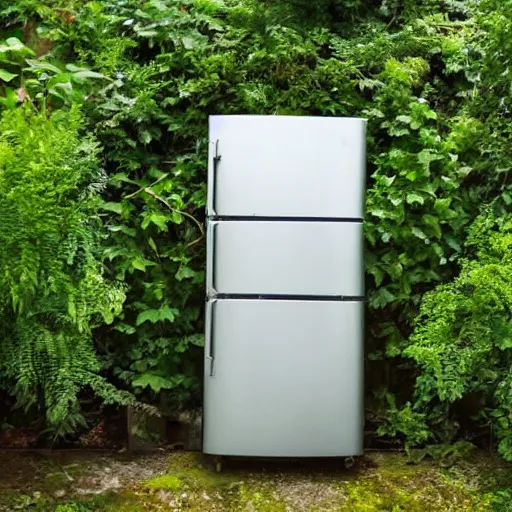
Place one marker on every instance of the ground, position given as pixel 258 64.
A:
pixel 114 482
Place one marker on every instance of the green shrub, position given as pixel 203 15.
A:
pixel 462 342
pixel 53 291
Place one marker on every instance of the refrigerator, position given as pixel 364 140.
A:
pixel 285 287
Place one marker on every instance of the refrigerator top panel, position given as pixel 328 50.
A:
pixel 286 166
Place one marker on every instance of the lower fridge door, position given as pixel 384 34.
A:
pixel 283 378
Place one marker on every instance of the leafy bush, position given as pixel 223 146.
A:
pixel 53 291
pixel 463 340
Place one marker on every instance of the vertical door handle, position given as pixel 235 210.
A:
pixel 213 184
pixel 210 335
pixel 210 264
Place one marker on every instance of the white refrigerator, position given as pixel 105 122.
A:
pixel 285 287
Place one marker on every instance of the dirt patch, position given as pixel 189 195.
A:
pixel 76 473
pixel 113 482
pixel 303 494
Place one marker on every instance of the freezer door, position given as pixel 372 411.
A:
pixel 285 258
pixel 284 378
pixel 286 166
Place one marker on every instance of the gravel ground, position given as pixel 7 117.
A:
pixel 114 482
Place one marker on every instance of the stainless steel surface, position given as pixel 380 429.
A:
pixel 286 166
pixel 285 258
pixel 287 380
pixel 284 370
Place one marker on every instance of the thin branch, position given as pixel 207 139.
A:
pixel 167 205
pixel 155 196
pixel 142 189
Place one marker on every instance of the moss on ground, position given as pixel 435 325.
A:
pixel 382 482
pixel 164 483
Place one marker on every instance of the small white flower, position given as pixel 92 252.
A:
pixel 422 100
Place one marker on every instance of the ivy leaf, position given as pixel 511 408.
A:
pixel 155 382
pixel 156 218
pixel 42 66
pixel 177 218
pixel 112 207
pixel 387 181
pixel 167 313
pixel 418 233
pixel 65 87
pixel 153 246
pixel 14 44
pixel 450 240
pixel 430 114
pixel 378 275
pixel 195 339
pixel 404 119
pixel 373 112
pixel 141 264
pixel 426 156
pixel 6 76
pixel 150 315
pixel 125 328
pixel 188 43
pixel 145 137
pixel 398 132
pixel 433 222
pixel 185 273
pixel 414 198
pixel 382 298
pixel 87 73
pixel 381 214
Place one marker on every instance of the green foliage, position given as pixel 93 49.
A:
pixel 501 501
pixel 433 80
pixel 38 81
pixel 52 286
pixel 405 422
pixel 73 507
pixel 463 338
pixel 447 454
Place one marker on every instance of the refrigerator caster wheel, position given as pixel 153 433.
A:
pixel 349 462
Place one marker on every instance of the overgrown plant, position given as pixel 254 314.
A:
pixel 43 84
pixel 462 344
pixel 53 290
